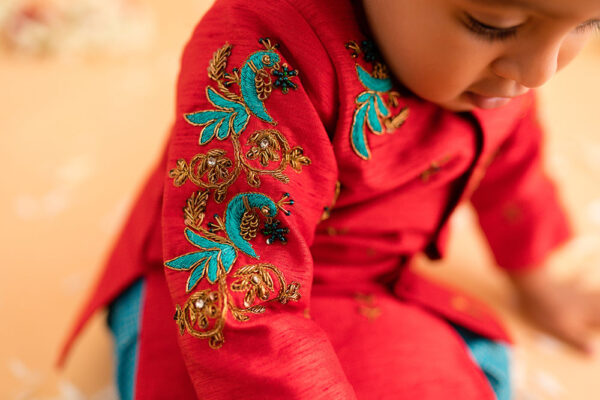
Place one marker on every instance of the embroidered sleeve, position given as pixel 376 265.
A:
pixel 517 204
pixel 250 172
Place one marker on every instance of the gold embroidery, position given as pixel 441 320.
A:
pixel 367 307
pixel 434 168
pixel 210 170
pixel 204 313
pixel 267 152
pixel 372 105
pixel 327 210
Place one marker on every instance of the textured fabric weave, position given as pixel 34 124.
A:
pixel 124 316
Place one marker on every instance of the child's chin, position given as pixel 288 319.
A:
pixel 457 105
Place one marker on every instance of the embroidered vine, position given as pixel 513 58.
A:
pixel 371 109
pixel 239 95
pixel 203 314
pixel 261 73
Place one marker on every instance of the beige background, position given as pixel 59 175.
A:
pixel 77 136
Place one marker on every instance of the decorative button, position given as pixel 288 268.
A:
pixel 199 304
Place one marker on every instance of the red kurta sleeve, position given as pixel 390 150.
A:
pixel 250 171
pixel 517 204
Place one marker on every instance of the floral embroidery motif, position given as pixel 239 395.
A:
pixel 367 306
pixel 327 209
pixel 204 313
pixel 371 109
pixel 230 117
pixel 219 242
pixel 434 168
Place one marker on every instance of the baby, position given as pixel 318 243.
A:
pixel 317 147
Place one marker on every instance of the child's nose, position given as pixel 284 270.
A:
pixel 530 66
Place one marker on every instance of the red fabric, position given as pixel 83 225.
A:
pixel 377 330
pixel 517 204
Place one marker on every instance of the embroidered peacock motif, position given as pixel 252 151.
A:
pixel 371 109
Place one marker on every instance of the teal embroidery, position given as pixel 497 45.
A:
pixel 371 110
pixel 218 245
pixel 256 85
pixel 230 117
pixel 253 73
pixel 215 257
pixel 275 232
pixel 219 253
pixel 371 83
pixel 238 206
pixel 284 79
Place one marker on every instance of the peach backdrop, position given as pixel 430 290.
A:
pixel 79 133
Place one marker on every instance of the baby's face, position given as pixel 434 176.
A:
pixel 465 54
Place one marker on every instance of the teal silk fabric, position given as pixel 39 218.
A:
pixel 124 316
pixel 124 320
pixel 493 358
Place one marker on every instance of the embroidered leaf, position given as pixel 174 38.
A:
pixel 202 242
pixel 216 68
pixel 204 117
pixel 246 270
pixel 186 261
pixel 237 111
pixel 266 278
pixel 195 208
pixel 373 118
pixel 228 256
pixel 213 269
pixel 253 179
pixel 364 97
pixel 230 117
pixel 249 298
pixel 281 177
pixel 220 193
pixel 239 315
pixel 179 174
pixel 196 275
pixel 359 140
pixel 223 129
pixel 208 132
pixel 371 83
pixel 256 309
pixel 381 107
pixel 298 159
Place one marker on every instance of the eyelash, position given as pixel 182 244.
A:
pixel 594 25
pixel 488 32
pixel 492 33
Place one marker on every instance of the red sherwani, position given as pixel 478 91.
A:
pixel 298 182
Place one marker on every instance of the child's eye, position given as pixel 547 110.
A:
pixel 488 32
pixel 593 24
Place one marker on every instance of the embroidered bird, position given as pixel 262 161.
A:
pixel 253 76
pixel 219 253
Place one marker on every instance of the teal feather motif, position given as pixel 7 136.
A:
pixel 257 61
pixel 372 83
pixel 217 256
pixel 230 117
pixel 371 108
pixel 235 212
